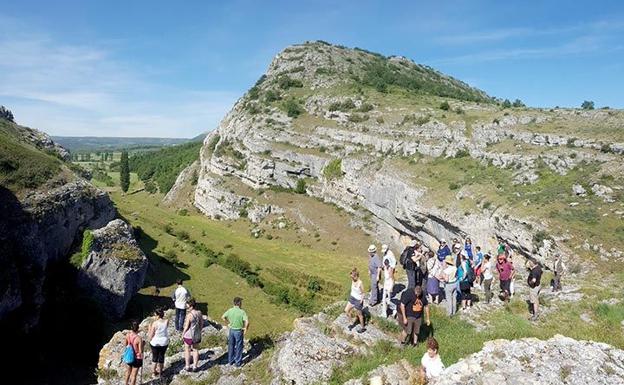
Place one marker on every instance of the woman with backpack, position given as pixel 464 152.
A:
pixel 158 337
pixel 191 335
pixel 133 355
pixel 465 276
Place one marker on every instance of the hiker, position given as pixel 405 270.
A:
pixel 374 269
pixel 422 271
pixel 469 249
pixel 506 273
pixel 458 251
pixel 465 276
pixel 413 305
pixel 388 288
pixel 431 362
pixel 180 296
pixel 559 268
pixel 388 255
pixel 192 332
pixel 443 250
pixel 356 301
pixel 449 277
pixel 456 244
pixel 534 282
pixel 512 283
pixel 135 342
pixel 434 268
pixel 407 261
pixel 501 247
pixel 477 267
pixel 488 276
pixel 158 337
pixel 238 323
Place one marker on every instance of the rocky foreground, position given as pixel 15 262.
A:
pixel 319 344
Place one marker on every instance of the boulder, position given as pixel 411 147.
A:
pixel 114 269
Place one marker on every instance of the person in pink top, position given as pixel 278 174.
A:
pixel 134 339
pixel 506 273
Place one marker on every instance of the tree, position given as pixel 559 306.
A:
pixel 506 103
pixel 6 114
pixel 518 103
pixel 124 172
pixel 444 106
pixel 587 105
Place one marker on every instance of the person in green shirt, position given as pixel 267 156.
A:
pixel 238 324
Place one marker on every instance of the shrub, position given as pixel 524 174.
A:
pixel 539 237
pixel 462 154
pixel 365 107
pixel 301 186
pixel 252 108
pixel 453 186
pixel 314 285
pixel 459 110
pixel 444 106
pixel 271 96
pixel 587 105
pixel 518 103
pixel 150 187
pixel 506 103
pixel 358 118
pixel 292 107
pixel 343 106
pixel 605 148
pixel 333 169
pixel 323 71
pixel 254 93
pixel 171 256
pixel 243 213
pixel 183 235
pixel 286 82
pixel 5 113
pixel 183 212
pixel 168 228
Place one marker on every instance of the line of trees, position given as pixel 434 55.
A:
pixel 124 172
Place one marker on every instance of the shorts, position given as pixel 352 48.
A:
pixel 358 305
pixel 413 326
pixel 137 363
pixel 505 285
pixel 534 294
pixel 465 291
pixel 189 342
pixel 158 354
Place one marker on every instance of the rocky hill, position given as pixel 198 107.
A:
pixel 46 207
pixel 408 151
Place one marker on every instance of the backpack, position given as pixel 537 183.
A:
pixel 405 255
pixel 469 273
pixel 197 331
pixel 128 355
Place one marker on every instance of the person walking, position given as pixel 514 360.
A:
pixel 478 266
pixel 422 274
pixel 356 301
pixel 465 276
pixel 191 335
pixel 158 337
pixel 506 273
pixel 431 362
pixel 407 261
pixel 238 323
pixel 443 250
pixel 449 277
pixel 434 268
pixel 469 249
pixel 534 282
pixel 374 270
pixel 488 276
pixel 388 288
pixel 180 296
pixel 134 341
pixel 413 305
pixel 559 268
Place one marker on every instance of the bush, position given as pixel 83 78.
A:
pixel 462 154
pixel 518 103
pixel 168 228
pixel 506 104
pixel 150 187
pixel 5 113
pixel 292 107
pixel 333 169
pixel 183 235
pixel 301 186
pixel 358 118
pixel 271 96
pixel 286 82
pixel 453 186
pixel 243 213
pixel 444 106
pixel 365 107
pixel 183 212
pixel 314 285
pixel 343 106
pixel 587 105
pixel 539 237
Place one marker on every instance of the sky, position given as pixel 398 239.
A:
pixel 173 69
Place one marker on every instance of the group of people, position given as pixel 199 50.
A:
pixel 451 273
pixel 189 323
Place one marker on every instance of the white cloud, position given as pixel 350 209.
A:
pixel 84 90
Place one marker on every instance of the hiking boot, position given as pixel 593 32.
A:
pixel 350 327
pixel 361 330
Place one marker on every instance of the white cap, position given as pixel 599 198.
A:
pixel 372 249
pixel 442 240
pixel 384 248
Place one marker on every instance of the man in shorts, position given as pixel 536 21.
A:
pixel 413 305
pixel 535 276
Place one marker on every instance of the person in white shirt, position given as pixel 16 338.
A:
pixel 488 276
pixel 388 255
pixel 388 288
pixel 431 362
pixel 180 296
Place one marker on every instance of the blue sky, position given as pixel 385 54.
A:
pixel 164 68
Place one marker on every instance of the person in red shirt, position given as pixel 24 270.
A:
pixel 506 273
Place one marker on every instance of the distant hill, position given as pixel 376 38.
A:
pixel 94 143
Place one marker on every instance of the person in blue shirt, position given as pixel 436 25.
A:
pixel 469 249
pixel 443 250
pixel 478 261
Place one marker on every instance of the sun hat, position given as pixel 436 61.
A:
pixel 449 260
pixel 384 248
pixel 442 240
pixel 372 249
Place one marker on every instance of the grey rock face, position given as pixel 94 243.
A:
pixel 559 360
pixel 38 230
pixel 182 189
pixel 42 141
pixel 114 269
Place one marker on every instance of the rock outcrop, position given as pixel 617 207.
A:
pixel 38 231
pixel 114 269
pixel 559 360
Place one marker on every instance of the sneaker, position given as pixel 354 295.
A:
pixel 350 327
pixel 361 330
